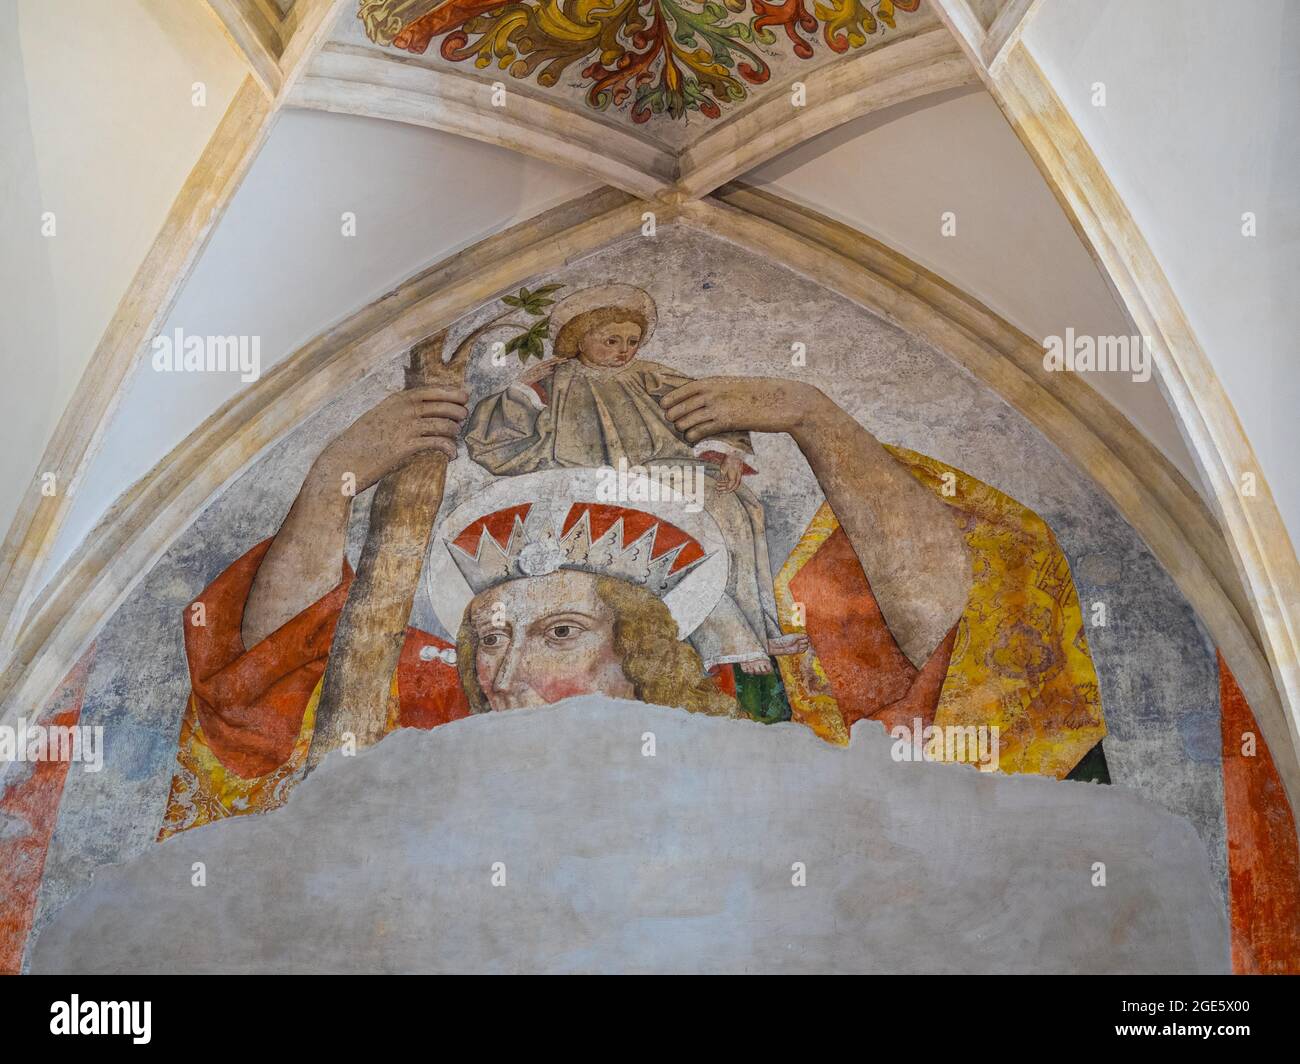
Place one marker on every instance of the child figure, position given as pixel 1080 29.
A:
pixel 596 403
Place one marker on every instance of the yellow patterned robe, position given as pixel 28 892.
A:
pixel 1019 659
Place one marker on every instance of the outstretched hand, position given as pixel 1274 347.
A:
pixel 711 405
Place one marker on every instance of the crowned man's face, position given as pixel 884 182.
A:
pixel 545 638
pixel 610 345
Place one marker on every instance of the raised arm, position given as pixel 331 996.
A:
pixel 906 540
pixel 305 560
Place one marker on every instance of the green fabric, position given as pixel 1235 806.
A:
pixel 762 697
pixel 1092 768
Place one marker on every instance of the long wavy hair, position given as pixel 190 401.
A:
pixel 661 668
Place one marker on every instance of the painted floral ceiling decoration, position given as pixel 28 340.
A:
pixel 652 57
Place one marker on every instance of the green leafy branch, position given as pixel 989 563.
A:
pixel 530 340
pixel 532 302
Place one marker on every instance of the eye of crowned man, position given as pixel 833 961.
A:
pixel 556 632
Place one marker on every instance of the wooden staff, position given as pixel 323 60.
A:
pixel 372 627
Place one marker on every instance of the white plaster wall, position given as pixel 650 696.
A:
pixel 101 130
pixel 894 174
pixel 279 267
pixel 1202 123
pixel 29 332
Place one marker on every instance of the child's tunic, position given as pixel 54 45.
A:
pixel 593 417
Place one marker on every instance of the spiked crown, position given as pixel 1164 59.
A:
pixel 532 525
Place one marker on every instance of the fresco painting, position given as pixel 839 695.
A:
pixel 650 60
pixel 636 514
pixel 599 590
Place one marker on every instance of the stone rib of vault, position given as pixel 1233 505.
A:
pixel 679 862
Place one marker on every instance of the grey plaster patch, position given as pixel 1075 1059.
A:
pixel 680 862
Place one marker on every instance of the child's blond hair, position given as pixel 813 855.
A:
pixel 566 343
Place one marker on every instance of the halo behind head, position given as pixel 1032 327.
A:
pixel 635 303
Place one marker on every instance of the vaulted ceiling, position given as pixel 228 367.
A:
pixel 650 96
pixel 669 72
